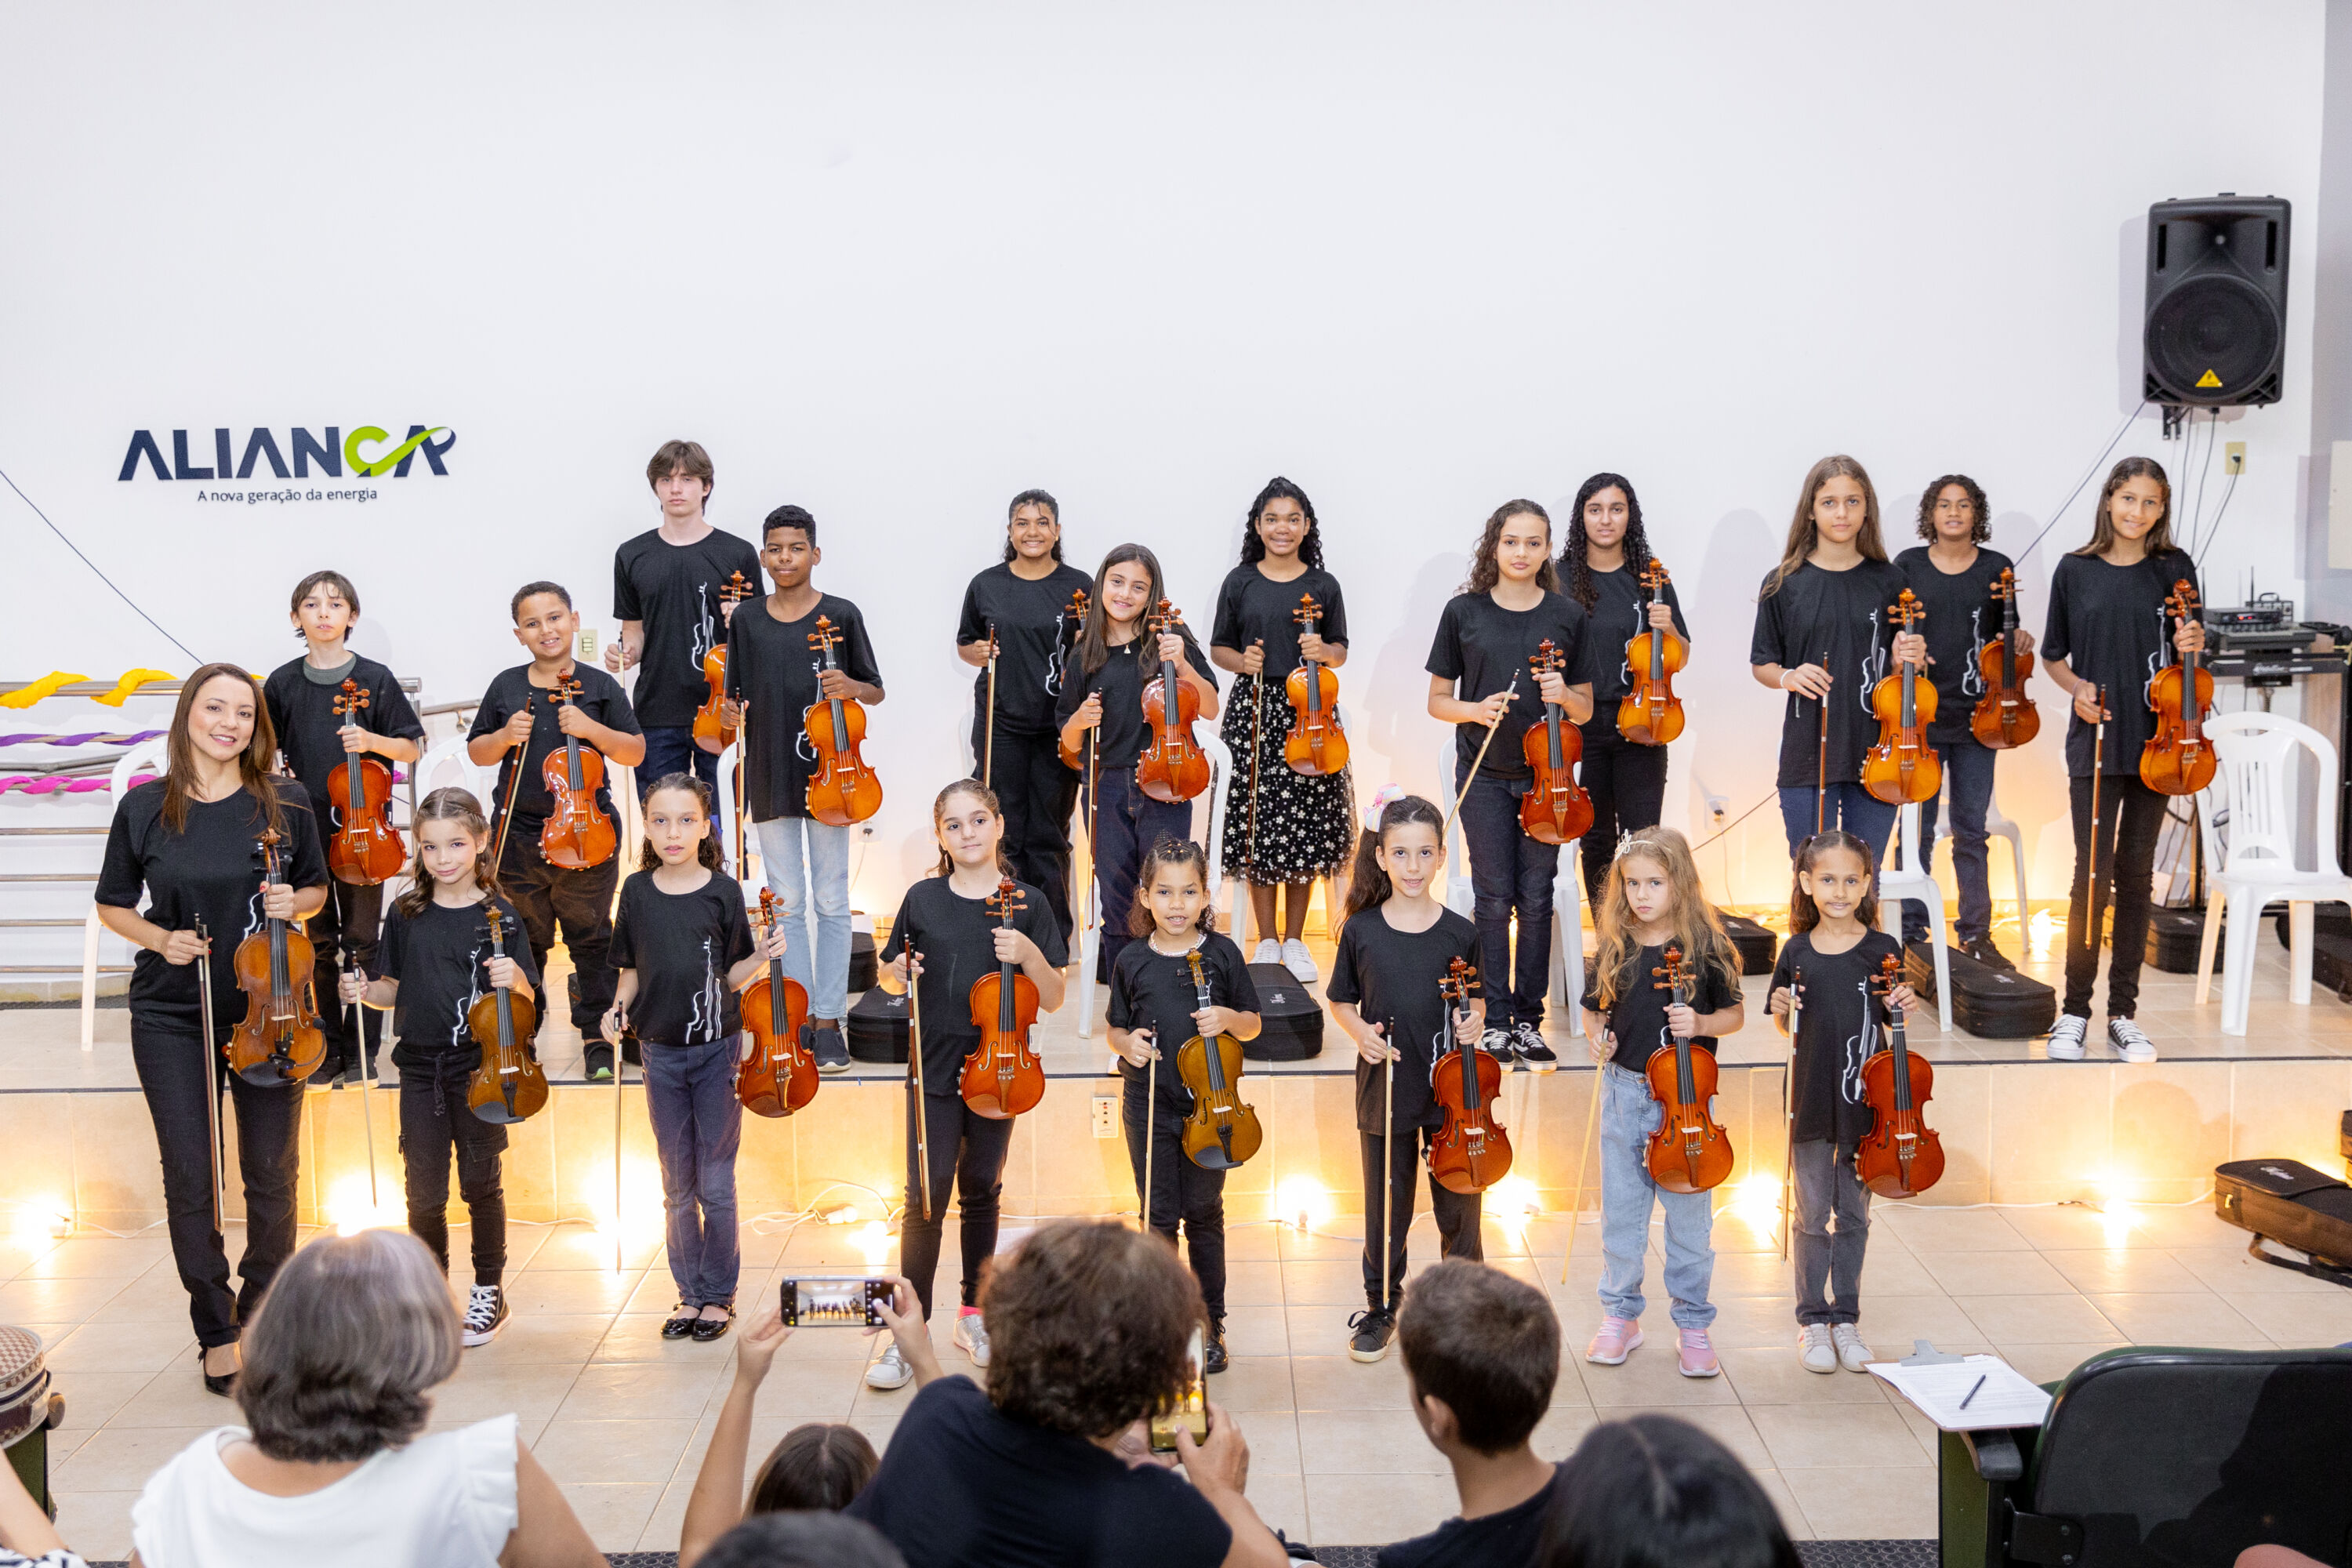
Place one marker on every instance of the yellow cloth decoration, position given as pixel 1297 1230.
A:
pixel 129 684
pixel 45 687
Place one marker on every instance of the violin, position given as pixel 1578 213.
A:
pixel 779 1075
pixel 508 1086
pixel 578 833
pixel 278 1042
pixel 1690 1151
pixel 1470 1153
pixel 1650 714
pixel 1903 767
pixel 712 732
pixel 1315 744
pixel 366 849
pixel 1172 767
pixel 1002 1077
pixel 1222 1132
pixel 1555 810
pixel 845 790
pixel 2178 759
pixel 1057 664
pixel 1901 1156
pixel 2005 716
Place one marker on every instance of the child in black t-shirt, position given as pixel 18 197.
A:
pixel 314 738
pixel 436 956
pixel 1397 945
pixel 682 948
pixel 1155 1008
pixel 1824 973
pixel 1652 901
pixel 520 721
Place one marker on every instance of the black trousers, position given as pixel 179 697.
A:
pixel 352 919
pixel 581 903
pixel 969 1149
pixel 1037 793
pixel 1180 1190
pixel 1627 787
pixel 2131 815
pixel 172 1061
pixel 434 1120
pixel 1457 1213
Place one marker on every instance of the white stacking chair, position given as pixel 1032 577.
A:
pixel 1459 898
pixel 151 756
pixel 1567 901
pixel 2256 783
pixel 1909 877
pixel 729 760
pixel 1221 767
pixel 1996 826
pixel 449 757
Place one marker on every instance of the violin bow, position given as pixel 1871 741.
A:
pixel 1576 1204
pixel 988 736
pixel 358 1026
pixel 506 810
pixel 1788 1112
pixel 620 1070
pixel 212 1084
pixel 1257 739
pixel 1822 781
pixel 915 1077
pixel 1477 762
pixel 1387 1158
pixel 1150 1124
pixel 2098 751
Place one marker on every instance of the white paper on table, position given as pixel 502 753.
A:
pixel 2006 1398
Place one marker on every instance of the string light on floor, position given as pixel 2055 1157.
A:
pixel 1756 1200
pixel 1302 1201
pixel 1512 1202
pixel 2043 933
pixel 351 1210
pixel 42 1219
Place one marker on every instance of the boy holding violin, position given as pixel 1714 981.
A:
pixel 322 727
pixel 524 719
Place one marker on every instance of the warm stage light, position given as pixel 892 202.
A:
pixel 42 1219
pixel 1302 1201
pixel 2043 932
pixel 1513 1200
pixel 874 1240
pixel 350 1211
pixel 1757 1200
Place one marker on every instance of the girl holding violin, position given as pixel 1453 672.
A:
pixel 1283 828
pixel 1154 1010
pixel 1397 943
pixel 1116 660
pixel 527 713
pixel 2109 633
pixel 1026 611
pixel 188 841
pixel 1481 681
pixel 1823 998
pixel 437 960
pixel 951 933
pixel 1602 566
pixel 331 708
pixel 1652 901
pixel 683 950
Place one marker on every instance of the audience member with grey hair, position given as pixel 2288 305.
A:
pixel 332 1467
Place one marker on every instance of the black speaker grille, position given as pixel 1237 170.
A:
pixel 2212 338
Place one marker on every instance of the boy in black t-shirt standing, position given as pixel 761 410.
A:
pixel 665 592
pixel 520 722
pixel 314 740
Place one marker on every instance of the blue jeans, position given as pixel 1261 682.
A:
pixel 820 964
pixel 698 1122
pixel 1847 804
pixel 1510 873
pixel 1628 1117
pixel 1968 768
pixel 674 751
pixel 1128 824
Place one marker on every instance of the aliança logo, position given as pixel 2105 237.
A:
pixel 332 455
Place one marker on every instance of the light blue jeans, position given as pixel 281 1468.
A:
pixel 823 881
pixel 1628 1117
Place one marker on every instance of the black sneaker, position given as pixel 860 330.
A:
pixel 1528 1041
pixel 1212 1349
pixel 1984 952
pixel 1373 1328
pixel 831 1051
pixel 596 1061
pixel 1497 1044
pixel 486 1312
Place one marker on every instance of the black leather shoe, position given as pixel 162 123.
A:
pixel 1984 952
pixel 680 1322
pixel 222 1384
pixel 708 1328
pixel 1212 1349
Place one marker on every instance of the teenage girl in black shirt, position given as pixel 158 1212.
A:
pixel 2109 628
pixel 188 841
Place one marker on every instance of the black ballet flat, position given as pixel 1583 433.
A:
pixel 222 1384
pixel 707 1330
pixel 681 1322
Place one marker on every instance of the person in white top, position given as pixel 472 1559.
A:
pixel 332 1468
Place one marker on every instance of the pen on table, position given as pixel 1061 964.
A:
pixel 1971 1393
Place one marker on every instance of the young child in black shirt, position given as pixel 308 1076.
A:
pixel 315 740
pixel 1652 901
pixel 682 949
pixel 1833 951
pixel 521 721
pixel 433 966
pixel 1154 1010
pixel 1399 941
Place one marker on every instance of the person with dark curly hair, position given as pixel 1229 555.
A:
pixel 1954 575
pixel 1052 1463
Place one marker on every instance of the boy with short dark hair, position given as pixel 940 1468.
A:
pixel 520 721
pixel 1481 1354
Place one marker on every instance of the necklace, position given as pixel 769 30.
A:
pixel 1154 940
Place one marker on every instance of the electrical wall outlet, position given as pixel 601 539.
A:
pixel 1106 1116
pixel 2233 458
pixel 588 643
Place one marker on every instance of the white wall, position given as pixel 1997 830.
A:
pixel 895 265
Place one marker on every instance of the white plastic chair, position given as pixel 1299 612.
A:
pixel 480 783
pixel 1221 767
pixel 729 760
pixel 1908 879
pixel 1459 895
pixel 147 756
pixel 1996 826
pixel 1566 902
pixel 2257 780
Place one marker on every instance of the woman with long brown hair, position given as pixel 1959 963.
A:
pixel 189 842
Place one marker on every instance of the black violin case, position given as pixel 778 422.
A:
pixel 1988 1003
pixel 2288 1202
pixel 1293 1018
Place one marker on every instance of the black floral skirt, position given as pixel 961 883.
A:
pixel 1304 824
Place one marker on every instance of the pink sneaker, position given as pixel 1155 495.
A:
pixel 1697 1353
pixel 1618 1338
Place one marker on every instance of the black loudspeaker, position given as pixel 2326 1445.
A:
pixel 2216 329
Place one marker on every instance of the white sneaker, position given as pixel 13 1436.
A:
pixel 1295 958
pixel 1851 1353
pixel 890 1370
pixel 2066 1038
pixel 971 1338
pixel 2129 1043
pixel 1269 951
pixel 486 1313
pixel 1814 1345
